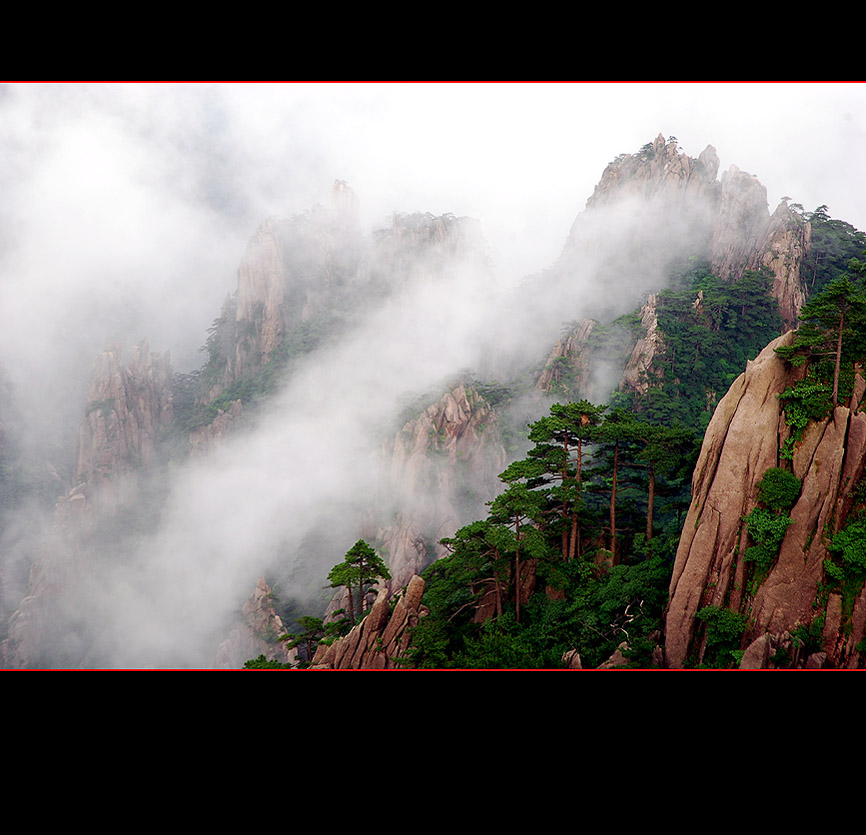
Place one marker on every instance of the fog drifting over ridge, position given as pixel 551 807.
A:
pixel 128 209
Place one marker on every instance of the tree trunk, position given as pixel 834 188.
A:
pixel 517 570
pixel 650 502
pixel 351 606
pixel 838 360
pixel 613 504
pixel 498 591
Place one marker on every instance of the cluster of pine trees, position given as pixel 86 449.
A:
pixel 567 557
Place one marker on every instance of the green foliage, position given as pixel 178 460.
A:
pixel 846 567
pixel 767 529
pixel 262 663
pixel 808 637
pixel 313 630
pixel 710 329
pixel 778 491
pixel 832 245
pixel 807 400
pixel 593 614
pixel 832 336
pixel 494 393
pixel 476 619
pixel 724 631
pixel 831 342
pixel 104 406
pixel 361 569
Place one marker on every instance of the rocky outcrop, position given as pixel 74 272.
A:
pixel 740 224
pixel 743 440
pixel 653 210
pixel 257 632
pixel 128 407
pixel 658 172
pixel 782 251
pixel 307 279
pixel 746 237
pixel 203 440
pixel 261 314
pixel 286 279
pixel 380 640
pixel 639 373
pixel 444 465
pixel 650 211
pixel 42 631
pixel 422 243
pixel 567 368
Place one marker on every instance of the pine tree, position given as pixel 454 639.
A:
pixel 833 329
pixel 361 568
pixel 517 514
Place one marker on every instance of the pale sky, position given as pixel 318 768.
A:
pixel 150 191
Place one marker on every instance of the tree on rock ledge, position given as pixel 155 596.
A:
pixel 833 329
pixel 362 568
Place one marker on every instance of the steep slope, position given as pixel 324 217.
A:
pixel 111 501
pixel 743 442
pixel 379 641
pixel 650 211
pixel 443 465
pixel 651 214
pixel 747 237
pixel 256 633
pixel 129 405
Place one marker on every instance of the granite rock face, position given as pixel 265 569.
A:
pixel 743 440
pixel 567 370
pixel 256 633
pixel 128 406
pixel 381 638
pixel 639 372
pixel 727 221
pixel 119 438
pixel 443 466
pixel 747 237
pixel 658 172
pixel 650 211
pixel 664 207
pixel 782 250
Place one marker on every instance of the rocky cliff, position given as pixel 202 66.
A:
pixel 567 370
pixel 129 405
pixel 648 211
pixel 293 272
pixel 380 640
pixel 639 370
pixel 747 237
pixel 658 172
pixel 666 208
pixel 743 442
pixel 304 281
pixel 129 408
pixel 443 466
pixel 678 202
pixel 257 633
